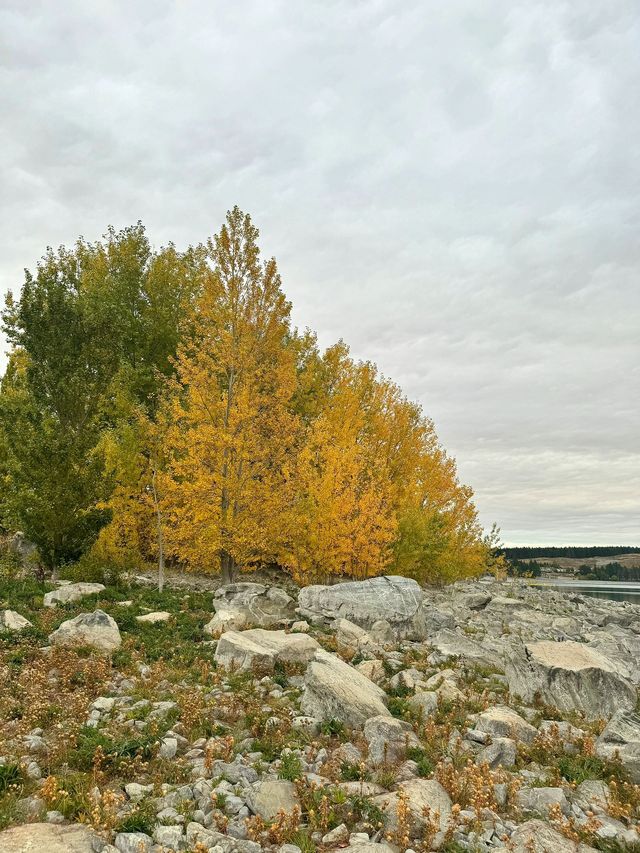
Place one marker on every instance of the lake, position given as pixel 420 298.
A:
pixel 622 591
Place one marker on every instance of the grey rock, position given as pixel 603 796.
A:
pixel 422 796
pixel 501 721
pixel 540 800
pixel 170 837
pixel 396 600
pixel 500 753
pixel 268 798
pixel 621 739
pixel 95 629
pixel 388 739
pixel 47 837
pixel 133 842
pixel 258 605
pixel 570 676
pixel 424 702
pixel 536 836
pixel 71 592
pixel 260 648
pixel 333 689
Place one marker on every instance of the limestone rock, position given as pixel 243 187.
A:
pixel 388 739
pixel 351 636
pixel 449 644
pixel 257 647
pixel 47 838
pixel 536 836
pixel 12 621
pixel 501 721
pixel 500 753
pixel 369 847
pixel 255 604
pixel 71 592
pixel 424 702
pixel 268 798
pixel 621 737
pixel 570 676
pixel 133 842
pixel 95 629
pixel 394 599
pixel 333 689
pixel 542 799
pixel 423 795
pixel 372 669
pixel 153 618
pixel 225 619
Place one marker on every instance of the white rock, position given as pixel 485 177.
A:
pixel 12 621
pixel 423 795
pixel 388 739
pixel 47 838
pixel 152 618
pixel 270 797
pixel 501 721
pixel 257 647
pixel 71 592
pixel 95 629
pixel 335 690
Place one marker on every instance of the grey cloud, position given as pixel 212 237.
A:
pixel 453 190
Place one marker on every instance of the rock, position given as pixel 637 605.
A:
pixel 361 789
pixel 536 836
pixel 168 748
pixel 333 689
pixel 542 799
pixel 394 599
pixel 592 795
pixel 225 620
pixel 570 676
pixel 71 592
pixel 422 796
pixel 152 618
pixel 500 753
pixel 475 600
pixel 381 632
pixel 388 739
pixel 133 842
pixel 338 836
pixel 264 607
pixel 47 838
pixel 372 669
pixel 351 636
pixel 268 798
pixel 95 629
pixel 301 627
pixel 450 644
pixel 408 680
pixel 369 847
pixel 621 738
pixel 501 721
pixel 12 621
pixel 170 837
pixel 260 648
pixel 424 702
pixel 137 792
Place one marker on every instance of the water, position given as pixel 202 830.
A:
pixel 620 591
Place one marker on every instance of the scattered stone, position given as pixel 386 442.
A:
pixel 621 739
pixel 540 800
pixel 133 842
pixel 570 676
pixel 152 618
pixel 95 629
pixel 268 798
pixel 424 702
pixel 258 605
pixel 536 836
pixel 70 592
pixel 423 796
pixel 12 621
pixel 372 669
pixel 500 753
pixel 335 690
pixel 260 648
pixel 225 620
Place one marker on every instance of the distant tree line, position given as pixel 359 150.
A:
pixel 610 572
pixel 576 552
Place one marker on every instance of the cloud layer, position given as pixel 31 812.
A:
pixel 455 190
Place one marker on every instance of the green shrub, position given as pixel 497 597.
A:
pixel 10 774
pixel 290 767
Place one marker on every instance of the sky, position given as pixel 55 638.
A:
pixel 452 188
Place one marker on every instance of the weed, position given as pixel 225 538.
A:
pixel 290 767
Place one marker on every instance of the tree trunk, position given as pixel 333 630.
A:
pixel 227 567
pixel 156 505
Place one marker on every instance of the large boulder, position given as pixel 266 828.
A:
pixel 621 738
pixel 95 629
pixel 255 604
pixel 426 801
pixel 69 592
pixel 47 838
pixel 12 621
pixel 261 649
pixel 388 739
pixel 450 644
pixel 335 690
pixel 570 676
pixel 394 599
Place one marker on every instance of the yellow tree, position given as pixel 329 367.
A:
pixel 344 522
pixel 232 432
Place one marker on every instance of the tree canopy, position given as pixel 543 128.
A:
pixel 160 404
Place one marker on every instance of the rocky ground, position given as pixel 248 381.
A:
pixel 371 716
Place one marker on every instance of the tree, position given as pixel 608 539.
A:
pixel 232 430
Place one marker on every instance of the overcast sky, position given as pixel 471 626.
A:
pixel 452 187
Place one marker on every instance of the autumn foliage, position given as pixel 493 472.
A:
pixel 213 434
